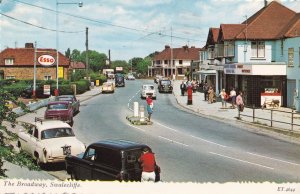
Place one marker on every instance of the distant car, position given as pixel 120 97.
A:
pixel 165 85
pixel 120 81
pixel 72 99
pixel 107 160
pixel 49 141
pixel 130 77
pixel 148 89
pixel 157 78
pixel 60 110
pixel 108 87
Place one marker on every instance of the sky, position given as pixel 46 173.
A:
pixel 128 28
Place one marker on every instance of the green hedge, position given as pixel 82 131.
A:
pixel 82 86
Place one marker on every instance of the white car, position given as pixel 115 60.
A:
pixel 130 76
pixel 148 89
pixel 49 141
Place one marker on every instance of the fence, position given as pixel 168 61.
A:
pixel 274 117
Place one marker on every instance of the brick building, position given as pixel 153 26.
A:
pixel 18 63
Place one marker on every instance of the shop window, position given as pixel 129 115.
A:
pixel 10 77
pixel 257 49
pixel 9 61
pixel 291 57
pixel 179 70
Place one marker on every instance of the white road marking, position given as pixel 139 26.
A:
pixel 136 127
pixel 165 126
pixel 170 140
pixel 208 141
pixel 273 159
pixel 244 161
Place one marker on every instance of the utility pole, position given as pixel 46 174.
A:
pixel 86 49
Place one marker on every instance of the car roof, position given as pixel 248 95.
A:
pixel 148 85
pixel 64 96
pixel 50 124
pixel 58 102
pixel 119 144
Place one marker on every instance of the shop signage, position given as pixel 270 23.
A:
pixel 47 89
pixel 238 69
pixel 46 60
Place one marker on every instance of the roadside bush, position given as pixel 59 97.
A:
pixel 102 78
pixel 82 86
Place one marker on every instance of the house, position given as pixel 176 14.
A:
pixel 75 66
pixel 182 59
pixel 258 56
pixel 18 63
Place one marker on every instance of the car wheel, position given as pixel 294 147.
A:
pixel 73 175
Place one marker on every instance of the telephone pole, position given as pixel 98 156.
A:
pixel 87 49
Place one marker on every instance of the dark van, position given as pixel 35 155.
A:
pixel 107 160
pixel 119 80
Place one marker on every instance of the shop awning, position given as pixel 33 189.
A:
pixel 207 72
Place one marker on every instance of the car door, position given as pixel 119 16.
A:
pixel 32 144
pixel 108 165
pixel 25 138
pixel 84 167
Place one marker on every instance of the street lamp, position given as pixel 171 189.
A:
pixel 80 4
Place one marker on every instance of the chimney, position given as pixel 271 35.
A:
pixel 167 46
pixel 185 47
pixel 29 45
pixel 266 3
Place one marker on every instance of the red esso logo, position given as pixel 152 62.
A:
pixel 46 60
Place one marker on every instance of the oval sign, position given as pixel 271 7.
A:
pixel 46 60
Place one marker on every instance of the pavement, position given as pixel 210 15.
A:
pixel 199 107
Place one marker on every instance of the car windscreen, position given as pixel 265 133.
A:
pixel 148 87
pixel 165 82
pixel 57 107
pixel 57 132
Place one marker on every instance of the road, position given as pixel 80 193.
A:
pixel 189 147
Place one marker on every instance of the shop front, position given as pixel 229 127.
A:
pixel 263 85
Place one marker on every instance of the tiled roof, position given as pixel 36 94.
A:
pixel 293 28
pixel 268 23
pixel 215 33
pixel 212 37
pixel 25 56
pixel 229 31
pixel 77 65
pixel 183 53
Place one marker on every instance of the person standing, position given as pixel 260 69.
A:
pixel 149 106
pixel 182 88
pixel 205 91
pixel 147 160
pixel 240 102
pixel 211 95
pixel 224 97
pixel 233 97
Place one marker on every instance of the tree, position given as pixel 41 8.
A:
pixel 142 66
pixel 6 114
pixel 76 56
pixel 135 61
pixel 120 63
pixel 96 60
pixel 68 53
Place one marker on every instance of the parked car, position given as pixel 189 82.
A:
pixel 148 89
pixel 49 141
pixel 119 81
pixel 165 85
pixel 39 92
pixel 71 99
pixel 60 110
pixel 108 87
pixel 107 160
pixel 130 76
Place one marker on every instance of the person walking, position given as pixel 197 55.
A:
pixel 224 97
pixel 149 106
pixel 147 161
pixel 240 102
pixel 233 97
pixel 205 91
pixel 182 88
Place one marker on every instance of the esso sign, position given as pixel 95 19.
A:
pixel 46 60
